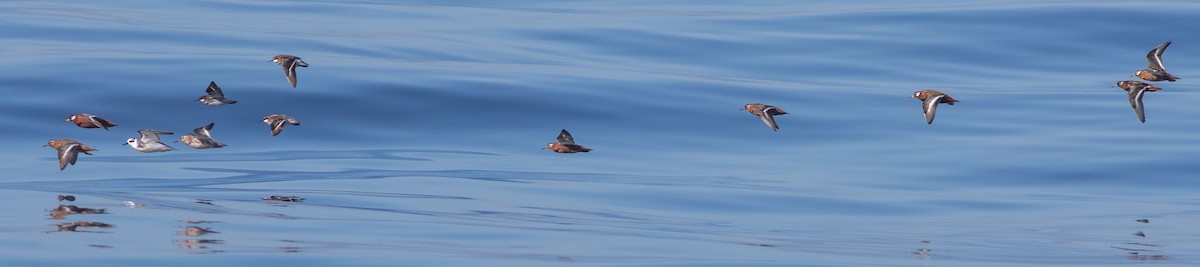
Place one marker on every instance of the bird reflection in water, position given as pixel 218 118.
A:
pixel 290 249
pixel 281 201
pixel 923 251
pixel 284 198
pixel 195 231
pixel 74 227
pixel 197 244
pixel 1141 251
pixel 62 211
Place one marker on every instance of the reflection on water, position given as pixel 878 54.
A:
pixel 923 251
pixel 194 231
pixel 134 204
pixel 198 244
pixel 424 123
pixel 292 155
pixel 450 200
pixel 74 227
pixel 290 249
pixel 1142 249
pixel 284 198
pixel 62 211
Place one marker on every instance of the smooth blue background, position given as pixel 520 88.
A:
pixel 423 123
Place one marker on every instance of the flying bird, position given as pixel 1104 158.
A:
pixel 200 138
pixel 86 120
pixel 930 100
pixel 1155 71
pixel 1136 91
pixel 289 63
pixel 68 151
pixel 566 144
pixel 276 121
pixel 148 141
pixel 765 112
pixel 215 96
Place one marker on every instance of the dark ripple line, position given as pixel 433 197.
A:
pixel 381 154
pixel 243 176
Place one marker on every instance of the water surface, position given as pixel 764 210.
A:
pixel 423 123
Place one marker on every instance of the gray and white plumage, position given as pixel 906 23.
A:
pixel 565 137
pixel 289 63
pixel 149 142
pixel 215 96
pixel 69 154
pixel 277 121
pixel 1154 57
pixel 1135 101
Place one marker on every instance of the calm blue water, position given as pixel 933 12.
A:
pixel 423 125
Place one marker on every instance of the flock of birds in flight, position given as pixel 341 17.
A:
pixel 931 98
pixel 148 140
